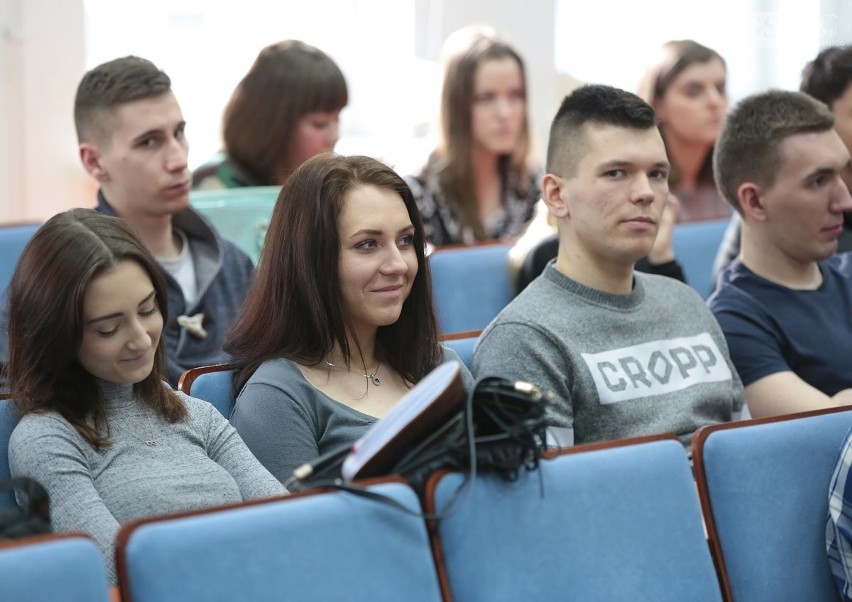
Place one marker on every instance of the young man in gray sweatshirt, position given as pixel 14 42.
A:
pixel 624 353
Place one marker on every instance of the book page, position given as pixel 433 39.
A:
pixel 420 404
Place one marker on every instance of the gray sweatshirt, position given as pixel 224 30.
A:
pixel 619 366
pixel 199 462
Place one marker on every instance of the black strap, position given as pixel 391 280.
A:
pixel 37 500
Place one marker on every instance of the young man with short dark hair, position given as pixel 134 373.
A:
pixel 624 353
pixel 785 305
pixel 131 135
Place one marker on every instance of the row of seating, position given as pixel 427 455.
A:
pixel 610 521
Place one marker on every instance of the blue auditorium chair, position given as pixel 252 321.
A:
pixel 695 245
pixel 613 521
pixel 470 285
pixel 313 546
pixel 239 214
pixel 764 489
pixel 51 568
pixel 211 383
pixel 462 343
pixel 8 420
pixel 13 239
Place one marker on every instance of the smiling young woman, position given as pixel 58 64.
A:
pixel 108 440
pixel 339 322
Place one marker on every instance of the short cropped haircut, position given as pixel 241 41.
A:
pixel 827 77
pixel 595 104
pixel 110 85
pixel 748 146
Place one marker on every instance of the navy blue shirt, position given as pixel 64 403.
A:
pixel 771 328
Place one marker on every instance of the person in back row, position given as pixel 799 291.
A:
pixel 283 112
pixel 479 183
pixel 624 353
pixel 108 440
pixel 686 85
pixel 131 133
pixel 785 305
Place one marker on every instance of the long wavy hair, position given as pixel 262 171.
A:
pixel 464 52
pixel 294 307
pixel 46 297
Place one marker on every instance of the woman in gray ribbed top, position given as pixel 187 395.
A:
pixel 99 429
pixel 338 323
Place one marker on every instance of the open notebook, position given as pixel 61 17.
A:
pixel 421 411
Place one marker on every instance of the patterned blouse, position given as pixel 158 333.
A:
pixel 442 226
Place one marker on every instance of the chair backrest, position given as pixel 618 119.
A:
pixel 57 567
pixel 764 488
pixel 462 343
pixel 470 285
pixel 695 245
pixel 13 239
pixel 315 546
pixel 211 383
pixel 619 521
pixel 8 421
pixel 239 214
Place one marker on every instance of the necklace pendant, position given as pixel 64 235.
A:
pixel 151 443
pixel 375 380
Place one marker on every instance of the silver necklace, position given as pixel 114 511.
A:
pixel 373 378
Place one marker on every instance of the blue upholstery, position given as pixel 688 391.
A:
pixel 70 569
pixel 463 348
pixel 695 245
pixel 768 490
pixel 470 285
pixel 327 546
pixel 215 387
pixel 622 523
pixel 239 214
pixel 13 239
pixel 8 420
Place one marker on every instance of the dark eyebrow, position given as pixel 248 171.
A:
pixel 373 232
pixel 618 163
pixel 148 134
pixel 821 171
pixel 119 314
pixel 158 131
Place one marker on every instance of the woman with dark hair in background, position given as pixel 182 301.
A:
pixel 339 322
pixel 283 112
pixel 478 184
pixel 687 88
pixel 99 429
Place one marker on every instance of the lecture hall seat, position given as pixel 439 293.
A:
pixel 315 545
pixel 764 489
pixel 612 521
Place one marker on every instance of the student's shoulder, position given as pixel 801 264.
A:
pixel 36 425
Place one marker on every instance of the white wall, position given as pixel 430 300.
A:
pixel 388 50
pixel 41 61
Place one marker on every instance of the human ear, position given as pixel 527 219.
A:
pixel 552 194
pixel 90 156
pixel 750 198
